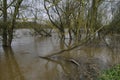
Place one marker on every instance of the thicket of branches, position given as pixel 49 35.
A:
pixel 88 17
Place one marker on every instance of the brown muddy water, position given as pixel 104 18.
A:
pixel 22 61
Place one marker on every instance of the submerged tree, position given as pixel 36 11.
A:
pixel 65 14
pixel 79 17
pixel 9 9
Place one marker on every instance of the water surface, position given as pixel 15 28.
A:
pixel 22 61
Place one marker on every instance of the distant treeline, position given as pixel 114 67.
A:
pixel 31 25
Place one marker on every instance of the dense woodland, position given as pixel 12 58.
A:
pixel 88 17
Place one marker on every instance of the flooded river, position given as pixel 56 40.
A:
pixel 22 61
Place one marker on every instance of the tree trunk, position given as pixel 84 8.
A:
pixel 4 27
pixel 10 30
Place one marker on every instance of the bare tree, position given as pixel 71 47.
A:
pixel 7 30
pixel 65 14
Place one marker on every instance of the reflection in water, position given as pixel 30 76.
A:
pixel 9 69
pixel 69 69
pixel 21 62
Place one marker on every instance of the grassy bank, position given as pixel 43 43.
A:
pixel 111 74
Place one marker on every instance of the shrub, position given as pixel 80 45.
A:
pixel 111 74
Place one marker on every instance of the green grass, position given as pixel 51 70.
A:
pixel 111 74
